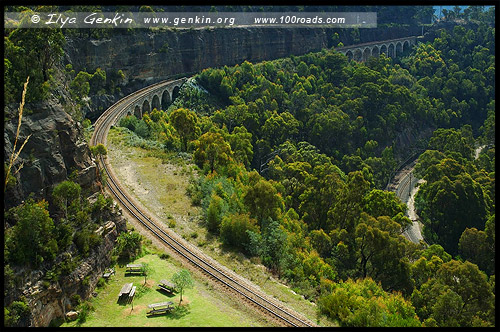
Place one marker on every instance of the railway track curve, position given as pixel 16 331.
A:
pixel 257 299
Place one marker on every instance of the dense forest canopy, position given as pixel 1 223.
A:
pixel 296 153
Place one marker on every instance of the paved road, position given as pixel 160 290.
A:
pixel 413 232
pixel 406 189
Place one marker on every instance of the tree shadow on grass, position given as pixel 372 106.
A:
pixel 166 293
pixel 179 312
pixel 176 313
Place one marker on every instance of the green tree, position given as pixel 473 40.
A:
pixel 215 212
pixel 323 187
pixel 146 271
pixel 99 150
pixel 241 145
pixel 363 303
pixel 31 240
pixel 16 314
pixel 185 122
pixel 271 245
pixel 449 206
pixel 212 150
pixel 234 230
pixel 321 242
pixel 263 201
pixel 33 53
pixel 475 246
pixel 383 203
pixel 458 295
pixel 329 130
pixel 182 281
pixel 65 193
pixel 382 253
pixel 280 127
pixel 128 245
pixel 80 86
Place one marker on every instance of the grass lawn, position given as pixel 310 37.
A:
pixel 201 307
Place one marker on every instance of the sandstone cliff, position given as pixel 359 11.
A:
pixel 148 56
pixel 55 149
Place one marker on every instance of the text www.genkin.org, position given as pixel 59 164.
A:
pixel 230 21
pixel 200 20
pixel 263 19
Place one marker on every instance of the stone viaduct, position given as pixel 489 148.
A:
pixel 162 94
pixel 160 97
pixel 392 48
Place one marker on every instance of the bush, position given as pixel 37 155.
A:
pixel 129 122
pixel 86 123
pixel 85 309
pixel 215 211
pixel 164 256
pixel 75 300
pixel 101 282
pixel 16 313
pixel 234 230
pixel 129 245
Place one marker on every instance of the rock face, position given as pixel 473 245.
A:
pixel 72 315
pixel 47 303
pixel 55 149
pixel 147 57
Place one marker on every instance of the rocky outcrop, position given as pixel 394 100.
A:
pixel 48 302
pixel 147 56
pixel 55 149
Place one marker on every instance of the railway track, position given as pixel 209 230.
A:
pixel 268 306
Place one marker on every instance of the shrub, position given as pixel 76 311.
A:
pixel 16 313
pixel 101 282
pixel 75 300
pixel 129 245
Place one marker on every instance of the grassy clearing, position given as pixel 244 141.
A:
pixel 200 307
pixel 159 181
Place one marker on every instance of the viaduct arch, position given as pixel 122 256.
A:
pixel 391 48
pixel 159 97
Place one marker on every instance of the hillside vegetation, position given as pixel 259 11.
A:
pixel 296 153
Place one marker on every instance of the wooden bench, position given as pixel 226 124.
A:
pixel 108 274
pixel 160 308
pixel 167 286
pixel 131 294
pixel 134 268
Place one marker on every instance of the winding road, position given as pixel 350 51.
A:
pixel 224 277
pixel 404 185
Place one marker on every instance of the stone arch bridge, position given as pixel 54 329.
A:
pixel 159 97
pixel 391 48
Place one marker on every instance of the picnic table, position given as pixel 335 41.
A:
pixel 160 308
pixel 165 285
pixel 126 289
pixel 134 268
